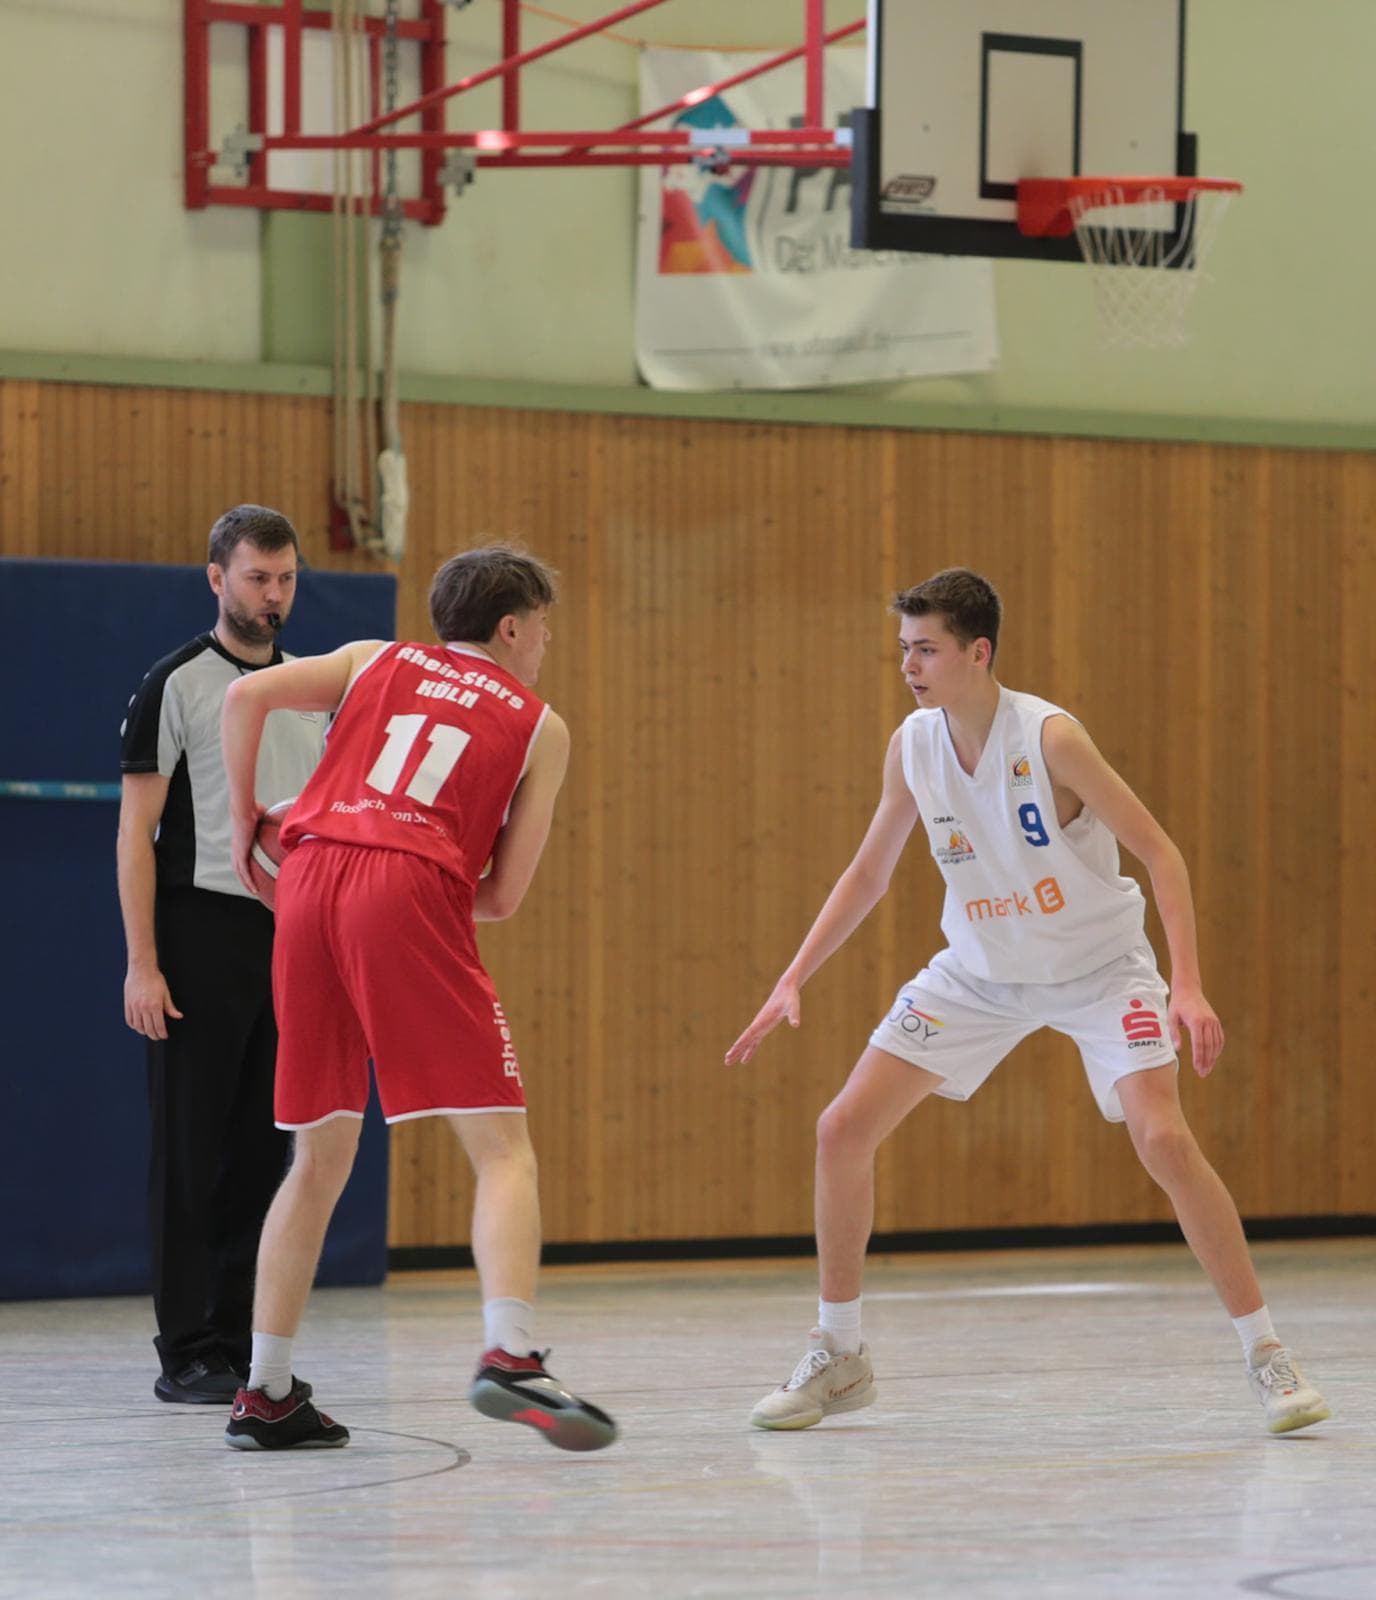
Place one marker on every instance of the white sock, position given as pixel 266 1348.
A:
pixel 271 1365
pixel 1255 1325
pixel 841 1319
pixel 510 1324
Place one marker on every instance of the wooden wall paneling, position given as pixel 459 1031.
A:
pixel 554 988
pixel 1298 682
pixel 56 489
pixel 1111 626
pixel 20 447
pixel 1259 901
pixel 163 465
pixel 186 483
pixel 808 700
pixel 142 469
pixel 12 475
pixel 1352 764
pixel 559 990
pixel 114 482
pixel 209 434
pixel 295 474
pixel 90 521
pixel 724 660
pixel 654 671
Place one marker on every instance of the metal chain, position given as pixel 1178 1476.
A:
pixel 391 204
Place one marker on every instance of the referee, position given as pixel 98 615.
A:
pixel 199 984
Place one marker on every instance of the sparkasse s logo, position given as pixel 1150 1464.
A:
pixel 1141 1025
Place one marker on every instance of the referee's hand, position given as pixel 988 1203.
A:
pixel 148 1002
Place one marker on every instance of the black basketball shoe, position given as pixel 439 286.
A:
pixel 518 1389
pixel 202 1381
pixel 258 1423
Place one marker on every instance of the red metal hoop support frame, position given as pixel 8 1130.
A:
pixel 294 18
pixel 1045 204
pixel 511 145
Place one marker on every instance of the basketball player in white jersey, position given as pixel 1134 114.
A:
pixel 1024 817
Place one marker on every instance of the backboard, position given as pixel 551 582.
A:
pixel 968 96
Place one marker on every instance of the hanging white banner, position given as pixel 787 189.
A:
pixel 746 277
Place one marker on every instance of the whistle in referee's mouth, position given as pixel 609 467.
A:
pixel 275 621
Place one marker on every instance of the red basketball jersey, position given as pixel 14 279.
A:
pixel 423 755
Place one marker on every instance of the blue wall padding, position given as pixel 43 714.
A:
pixel 78 636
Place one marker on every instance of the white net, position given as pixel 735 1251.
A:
pixel 1146 259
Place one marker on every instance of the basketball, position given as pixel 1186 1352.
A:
pixel 268 853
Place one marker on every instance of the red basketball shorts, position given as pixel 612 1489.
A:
pixel 376 955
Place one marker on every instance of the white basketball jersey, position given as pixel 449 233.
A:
pixel 1026 900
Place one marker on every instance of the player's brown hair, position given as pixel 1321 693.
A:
pixel 474 590
pixel 968 604
pixel 259 526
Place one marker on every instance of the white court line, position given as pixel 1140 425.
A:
pixel 1019 1289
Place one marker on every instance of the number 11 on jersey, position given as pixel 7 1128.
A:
pixel 447 744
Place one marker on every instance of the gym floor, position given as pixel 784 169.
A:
pixel 1067 1423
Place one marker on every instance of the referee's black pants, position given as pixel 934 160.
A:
pixel 216 1158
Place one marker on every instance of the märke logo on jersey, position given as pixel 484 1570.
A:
pixel 1048 894
pixel 1021 775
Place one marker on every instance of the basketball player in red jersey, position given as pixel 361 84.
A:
pixel 440 758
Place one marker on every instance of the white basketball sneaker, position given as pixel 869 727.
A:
pixel 823 1382
pixel 1288 1399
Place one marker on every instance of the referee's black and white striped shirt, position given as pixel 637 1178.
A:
pixel 173 727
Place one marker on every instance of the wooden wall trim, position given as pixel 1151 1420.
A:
pixel 833 408
pixel 723 657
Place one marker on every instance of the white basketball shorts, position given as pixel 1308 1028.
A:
pixel 960 1027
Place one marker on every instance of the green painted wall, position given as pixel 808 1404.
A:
pixel 530 280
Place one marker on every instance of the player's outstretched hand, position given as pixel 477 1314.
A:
pixel 244 830
pixel 1189 1009
pixel 784 1002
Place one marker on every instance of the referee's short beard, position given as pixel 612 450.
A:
pixel 246 627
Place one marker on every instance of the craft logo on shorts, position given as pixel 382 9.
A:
pixel 907 191
pixel 511 1068
pixel 921 1023
pixel 956 849
pixel 1021 777
pixel 1140 1025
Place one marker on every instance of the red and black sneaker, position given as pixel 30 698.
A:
pixel 258 1423
pixel 518 1389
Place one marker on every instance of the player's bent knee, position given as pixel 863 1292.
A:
pixel 1166 1149
pixel 840 1132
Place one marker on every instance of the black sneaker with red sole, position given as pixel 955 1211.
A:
pixel 518 1389
pixel 258 1423
pixel 210 1380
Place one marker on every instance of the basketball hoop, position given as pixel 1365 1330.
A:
pixel 1145 241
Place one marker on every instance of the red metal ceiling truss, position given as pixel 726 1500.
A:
pixel 511 145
